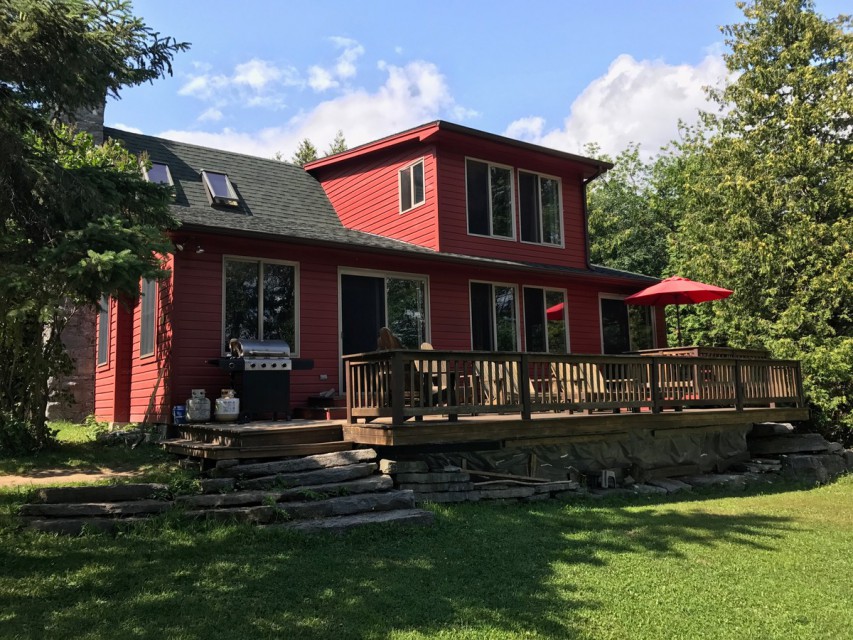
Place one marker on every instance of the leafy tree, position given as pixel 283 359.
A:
pixel 305 153
pixel 627 231
pixel 767 191
pixel 338 145
pixel 78 220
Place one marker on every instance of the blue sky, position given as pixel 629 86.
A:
pixel 263 74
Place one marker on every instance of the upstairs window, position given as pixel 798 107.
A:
pixel 494 319
pixel 220 189
pixel 159 173
pixel 539 202
pixel 489 192
pixel 147 317
pixel 412 186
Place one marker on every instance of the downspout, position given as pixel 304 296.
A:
pixel 586 217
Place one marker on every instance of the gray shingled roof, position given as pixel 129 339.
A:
pixel 283 200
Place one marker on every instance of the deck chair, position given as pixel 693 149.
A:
pixel 436 380
pixel 499 382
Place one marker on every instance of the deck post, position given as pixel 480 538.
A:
pixel 397 387
pixel 801 397
pixel 350 395
pixel 738 386
pixel 524 387
pixel 654 381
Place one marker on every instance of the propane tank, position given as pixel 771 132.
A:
pixel 198 407
pixel 227 406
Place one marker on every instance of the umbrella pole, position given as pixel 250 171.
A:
pixel 678 324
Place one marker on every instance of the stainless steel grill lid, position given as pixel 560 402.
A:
pixel 259 348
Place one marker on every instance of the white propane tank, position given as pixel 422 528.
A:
pixel 198 407
pixel 227 406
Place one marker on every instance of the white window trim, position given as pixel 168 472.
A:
pixel 109 333
pixel 622 296
pixel 150 354
pixel 297 302
pixel 400 171
pixel 559 180
pixel 494 315
pixel 565 316
pixel 512 179
pixel 224 201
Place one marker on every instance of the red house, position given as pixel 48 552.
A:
pixel 445 234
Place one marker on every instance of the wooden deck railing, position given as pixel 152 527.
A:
pixel 402 384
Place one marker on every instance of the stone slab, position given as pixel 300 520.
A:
pixel 433 487
pixel 794 443
pixel 503 494
pixel 342 523
pixel 78 510
pixel 767 429
pixel 555 487
pixel 305 463
pixel 715 480
pixel 254 515
pixel 348 505
pixel 217 485
pixel 112 493
pixel 432 477
pixel 403 466
pixel 647 489
pixel 309 478
pixel 670 485
pixel 445 497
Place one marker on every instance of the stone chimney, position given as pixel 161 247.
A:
pixel 91 120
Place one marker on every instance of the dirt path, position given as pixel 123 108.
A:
pixel 61 476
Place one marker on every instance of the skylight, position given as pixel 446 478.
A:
pixel 220 189
pixel 159 173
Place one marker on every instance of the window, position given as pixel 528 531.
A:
pixel 147 324
pixel 159 173
pixel 545 320
pixel 539 209
pixel 489 192
pixel 104 330
pixel 220 188
pixel 625 327
pixel 494 325
pixel 412 186
pixel 260 301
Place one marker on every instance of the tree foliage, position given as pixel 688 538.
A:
pixel 306 152
pixel 78 220
pixel 338 145
pixel 766 190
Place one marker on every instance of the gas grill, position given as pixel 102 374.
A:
pixel 260 372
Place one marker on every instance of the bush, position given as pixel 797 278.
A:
pixel 19 437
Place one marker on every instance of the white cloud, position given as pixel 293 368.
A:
pixel 411 94
pixel 125 127
pixel 635 101
pixel 252 83
pixel 256 73
pixel 324 78
pixel 211 114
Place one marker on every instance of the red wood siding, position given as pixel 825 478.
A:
pixel 453 220
pixel 366 195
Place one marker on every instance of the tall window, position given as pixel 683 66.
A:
pixel 494 324
pixel 147 320
pixel 489 193
pixel 104 330
pixel 260 301
pixel 411 186
pixel 539 208
pixel 545 320
pixel 625 327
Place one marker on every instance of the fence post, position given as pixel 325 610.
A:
pixel 397 387
pixel 524 386
pixel 738 386
pixel 655 384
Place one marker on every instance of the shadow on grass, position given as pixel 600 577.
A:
pixel 482 569
pixel 83 457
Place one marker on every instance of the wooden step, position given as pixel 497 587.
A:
pixel 261 435
pixel 221 452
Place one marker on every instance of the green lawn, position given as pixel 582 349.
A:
pixel 778 565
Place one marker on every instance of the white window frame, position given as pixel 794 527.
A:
pixel 410 168
pixel 565 316
pixel 230 200
pixel 170 183
pixel 154 316
pixel 494 315
pixel 297 305
pixel 560 214
pixel 104 335
pixel 622 296
pixel 512 199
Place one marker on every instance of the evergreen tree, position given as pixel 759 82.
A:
pixel 338 145
pixel 305 153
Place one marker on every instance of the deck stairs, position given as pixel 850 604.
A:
pixel 256 440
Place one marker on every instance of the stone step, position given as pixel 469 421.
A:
pixel 112 493
pixel 715 479
pixel 403 466
pixel 767 429
pixel 370 484
pixel 306 463
pixel 432 477
pixel 310 478
pixel 342 523
pixel 794 443
pixel 670 485
pixel 221 452
pixel 81 510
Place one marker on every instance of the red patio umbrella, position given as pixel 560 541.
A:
pixel 555 312
pixel 677 290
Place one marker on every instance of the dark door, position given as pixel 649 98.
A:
pixel 362 312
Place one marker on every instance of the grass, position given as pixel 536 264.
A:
pixel 775 565
pixel 76 451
